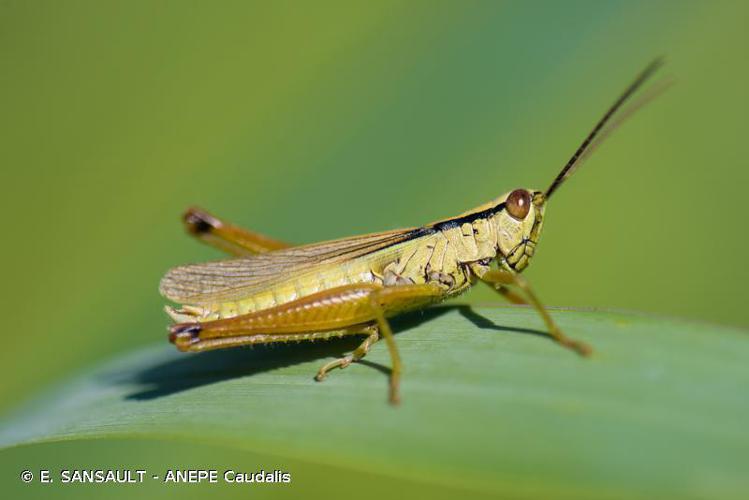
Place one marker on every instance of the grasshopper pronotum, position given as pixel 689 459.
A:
pixel 272 292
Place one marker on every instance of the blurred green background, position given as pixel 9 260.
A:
pixel 311 121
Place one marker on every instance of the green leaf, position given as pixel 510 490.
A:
pixel 489 403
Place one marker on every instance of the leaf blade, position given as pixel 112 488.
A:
pixel 488 402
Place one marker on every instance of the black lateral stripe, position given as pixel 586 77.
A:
pixel 459 221
pixel 441 226
pixel 402 238
pixel 369 248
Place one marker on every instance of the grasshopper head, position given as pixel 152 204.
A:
pixel 518 228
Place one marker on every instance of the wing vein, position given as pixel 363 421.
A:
pixel 221 280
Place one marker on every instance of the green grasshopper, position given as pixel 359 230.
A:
pixel 272 292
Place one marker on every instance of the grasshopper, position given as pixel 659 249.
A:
pixel 273 292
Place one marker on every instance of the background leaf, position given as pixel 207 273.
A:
pixel 329 119
pixel 310 121
pixel 490 405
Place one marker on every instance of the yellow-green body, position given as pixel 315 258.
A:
pixel 452 252
pixel 276 293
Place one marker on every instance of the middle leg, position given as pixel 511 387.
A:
pixel 346 360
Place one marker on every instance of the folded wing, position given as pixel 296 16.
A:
pixel 226 279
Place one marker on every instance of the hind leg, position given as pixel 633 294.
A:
pixel 226 236
pixel 349 306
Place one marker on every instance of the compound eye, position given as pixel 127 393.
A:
pixel 519 203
